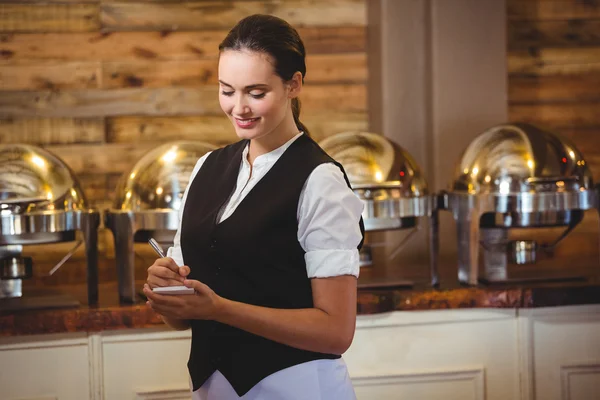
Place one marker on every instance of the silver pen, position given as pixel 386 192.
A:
pixel 156 247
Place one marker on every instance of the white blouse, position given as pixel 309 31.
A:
pixel 328 214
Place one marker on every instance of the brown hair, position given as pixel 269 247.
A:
pixel 275 37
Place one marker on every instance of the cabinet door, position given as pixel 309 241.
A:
pixel 48 367
pixel 436 355
pixel 561 353
pixel 144 365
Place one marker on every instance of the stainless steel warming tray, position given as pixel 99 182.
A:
pixel 387 179
pixel 147 202
pixel 41 202
pixel 515 176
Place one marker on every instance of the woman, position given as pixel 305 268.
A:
pixel 268 239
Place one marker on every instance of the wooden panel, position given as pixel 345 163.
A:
pixel 560 115
pixel 73 75
pixel 51 130
pixel 49 17
pixel 102 159
pixel 91 103
pixel 320 69
pixel 163 101
pixel 212 129
pixel 94 186
pixel 122 46
pixel 543 88
pixel 552 61
pixel 225 14
pixel 552 9
pixel 577 32
pixel 218 130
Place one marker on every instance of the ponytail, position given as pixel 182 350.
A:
pixel 296 114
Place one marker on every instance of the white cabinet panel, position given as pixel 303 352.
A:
pixel 459 385
pixel 145 365
pixel 561 353
pixel 581 382
pixel 447 342
pixel 44 367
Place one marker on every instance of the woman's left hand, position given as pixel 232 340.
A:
pixel 203 304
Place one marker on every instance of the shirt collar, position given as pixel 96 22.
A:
pixel 272 156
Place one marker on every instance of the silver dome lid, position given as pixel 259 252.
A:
pixel 521 158
pixel 373 161
pixel 33 179
pixel 158 180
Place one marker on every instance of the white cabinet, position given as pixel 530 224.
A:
pixel 561 353
pixel 45 367
pixel 145 365
pixel 469 354
pixel 449 355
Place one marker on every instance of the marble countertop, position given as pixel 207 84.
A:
pixel 379 291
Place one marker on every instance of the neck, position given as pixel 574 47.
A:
pixel 273 140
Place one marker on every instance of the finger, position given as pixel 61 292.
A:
pixel 167 262
pixel 184 271
pixel 164 273
pixel 162 299
pixel 158 282
pixel 196 285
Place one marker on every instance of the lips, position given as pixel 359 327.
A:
pixel 247 122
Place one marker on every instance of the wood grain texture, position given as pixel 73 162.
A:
pixel 157 46
pixel 160 101
pixel 553 61
pixel 218 129
pixel 552 9
pixel 557 115
pixel 45 131
pixel 108 158
pixel 204 15
pixel 43 17
pixel 323 69
pixel 551 88
pixel 71 75
pixel 568 33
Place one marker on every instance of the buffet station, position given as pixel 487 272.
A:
pixel 518 194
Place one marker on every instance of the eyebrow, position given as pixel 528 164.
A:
pixel 249 87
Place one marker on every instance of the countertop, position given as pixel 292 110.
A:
pixel 380 290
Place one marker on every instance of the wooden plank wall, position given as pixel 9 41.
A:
pixel 101 82
pixel 554 80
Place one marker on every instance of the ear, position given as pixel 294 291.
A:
pixel 295 85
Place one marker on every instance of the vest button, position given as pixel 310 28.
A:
pixel 213 243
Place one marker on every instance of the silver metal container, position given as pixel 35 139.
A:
pixel 515 176
pixel 41 202
pixel 389 182
pixel 147 203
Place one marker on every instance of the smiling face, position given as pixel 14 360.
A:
pixel 252 95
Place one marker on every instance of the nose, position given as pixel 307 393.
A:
pixel 240 107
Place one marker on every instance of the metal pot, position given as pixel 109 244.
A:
pixel 41 202
pixel 515 176
pixel 147 203
pixel 387 179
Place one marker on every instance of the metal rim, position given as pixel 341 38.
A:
pixel 47 222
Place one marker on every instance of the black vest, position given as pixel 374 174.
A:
pixel 252 257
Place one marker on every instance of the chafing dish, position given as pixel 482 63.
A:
pixel 41 202
pixel 389 182
pixel 147 202
pixel 515 176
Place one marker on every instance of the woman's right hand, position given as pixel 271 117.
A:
pixel 165 272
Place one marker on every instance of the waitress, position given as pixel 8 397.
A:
pixel 268 238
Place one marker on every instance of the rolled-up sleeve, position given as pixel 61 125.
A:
pixel 328 224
